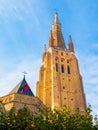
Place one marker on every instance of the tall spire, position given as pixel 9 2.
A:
pixel 56 20
pixel 70 39
pixel 71 46
pixel 44 47
pixel 56 37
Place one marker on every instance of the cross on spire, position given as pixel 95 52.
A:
pixel 24 73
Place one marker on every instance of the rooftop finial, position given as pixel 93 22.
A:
pixel 24 73
pixel 56 18
pixel 70 39
pixel 44 47
pixel 71 46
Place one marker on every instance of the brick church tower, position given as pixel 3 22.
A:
pixel 60 82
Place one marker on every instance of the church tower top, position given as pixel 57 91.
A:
pixel 56 20
pixel 56 37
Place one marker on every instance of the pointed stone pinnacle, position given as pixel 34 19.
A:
pixel 44 47
pixel 70 39
pixel 56 21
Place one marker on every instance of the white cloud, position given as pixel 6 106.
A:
pixel 89 72
pixel 22 9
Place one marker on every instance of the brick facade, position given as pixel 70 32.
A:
pixel 60 82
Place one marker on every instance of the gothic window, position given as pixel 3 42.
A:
pixel 67 61
pixel 68 69
pixel 56 58
pixel 56 67
pixel 62 68
pixel 25 90
pixel 61 53
pixel 62 60
pixel 63 87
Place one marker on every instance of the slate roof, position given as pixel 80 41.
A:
pixel 22 88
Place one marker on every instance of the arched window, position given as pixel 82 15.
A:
pixel 62 68
pixel 68 69
pixel 56 67
pixel 61 53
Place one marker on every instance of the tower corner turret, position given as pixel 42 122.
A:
pixel 70 44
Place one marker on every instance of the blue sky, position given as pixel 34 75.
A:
pixel 24 29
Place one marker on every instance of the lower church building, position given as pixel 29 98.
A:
pixel 60 83
pixel 21 96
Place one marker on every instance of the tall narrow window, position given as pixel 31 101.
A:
pixel 68 69
pixel 61 53
pixel 62 68
pixel 56 67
